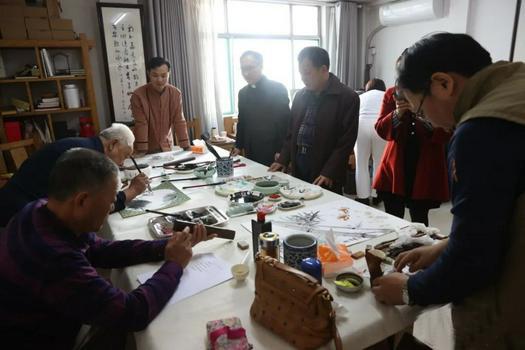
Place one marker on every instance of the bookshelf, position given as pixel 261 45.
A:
pixel 16 53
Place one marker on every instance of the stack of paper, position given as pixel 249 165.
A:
pixel 203 272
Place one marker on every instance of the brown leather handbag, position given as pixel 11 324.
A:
pixel 294 305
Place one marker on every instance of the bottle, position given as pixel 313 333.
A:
pixel 214 133
pixel 86 127
pixel 259 226
pixel 313 267
pixel 269 244
pixel 71 96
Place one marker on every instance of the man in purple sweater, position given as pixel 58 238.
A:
pixel 49 251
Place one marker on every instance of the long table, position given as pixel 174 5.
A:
pixel 361 320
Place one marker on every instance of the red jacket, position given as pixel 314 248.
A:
pixel 431 181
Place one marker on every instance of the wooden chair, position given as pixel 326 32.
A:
pixel 12 155
pixel 228 125
pixel 194 128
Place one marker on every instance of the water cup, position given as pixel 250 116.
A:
pixel 225 167
pixel 298 247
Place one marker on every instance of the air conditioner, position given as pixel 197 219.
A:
pixel 410 11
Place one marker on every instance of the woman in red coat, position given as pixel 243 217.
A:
pixel 413 170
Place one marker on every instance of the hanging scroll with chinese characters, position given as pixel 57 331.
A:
pixel 122 36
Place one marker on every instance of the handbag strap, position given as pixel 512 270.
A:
pixel 335 334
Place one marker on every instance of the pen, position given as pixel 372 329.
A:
pixel 212 184
pixel 140 172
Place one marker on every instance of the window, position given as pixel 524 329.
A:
pixel 278 31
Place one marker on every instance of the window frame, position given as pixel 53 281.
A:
pixel 229 37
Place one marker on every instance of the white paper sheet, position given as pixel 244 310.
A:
pixel 351 223
pixel 204 271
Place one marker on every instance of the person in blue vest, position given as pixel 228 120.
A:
pixel 480 268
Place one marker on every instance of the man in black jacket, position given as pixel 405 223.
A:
pixel 264 112
pixel 323 130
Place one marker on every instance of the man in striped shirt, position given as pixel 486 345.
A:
pixel 48 283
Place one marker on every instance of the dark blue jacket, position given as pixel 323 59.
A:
pixel 487 174
pixel 30 182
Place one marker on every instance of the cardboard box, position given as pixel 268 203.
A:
pixel 36 34
pixel 13 28
pixel 11 11
pixel 53 10
pixel 63 34
pixel 60 24
pixel 35 12
pixel 13 2
pixel 37 24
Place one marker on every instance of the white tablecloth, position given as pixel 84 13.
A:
pixel 361 320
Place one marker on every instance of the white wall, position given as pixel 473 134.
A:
pixel 491 23
pixel 85 20
pixel 488 21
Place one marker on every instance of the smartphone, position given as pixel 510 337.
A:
pixel 220 232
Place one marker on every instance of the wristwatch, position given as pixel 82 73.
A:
pixel 404 294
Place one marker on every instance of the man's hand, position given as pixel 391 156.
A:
pixel 420 258
pixel 276 167
pixel 323 180
pixel 137 185
pixel 388 289
pixel 178 249
pixel 235 152
pixel 199 234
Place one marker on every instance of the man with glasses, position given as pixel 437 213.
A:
pixel 481 267
pixel 264 112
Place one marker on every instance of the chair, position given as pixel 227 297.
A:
pixel 12 155
pixel 194 128
pixel 228 125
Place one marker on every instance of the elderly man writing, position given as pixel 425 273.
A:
pixel 49 252
pixel 31 180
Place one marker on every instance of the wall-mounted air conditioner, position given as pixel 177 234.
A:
pixel 410 11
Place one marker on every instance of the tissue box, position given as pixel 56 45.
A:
pixel 333 264
pixel 197 149
pixel 227 334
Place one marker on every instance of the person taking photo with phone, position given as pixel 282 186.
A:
pixel 412 172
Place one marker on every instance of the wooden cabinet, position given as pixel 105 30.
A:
pixel 16 53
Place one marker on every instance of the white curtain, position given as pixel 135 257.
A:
pixel 184 33
pixel 341 41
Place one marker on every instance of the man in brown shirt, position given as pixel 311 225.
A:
pixel 157 110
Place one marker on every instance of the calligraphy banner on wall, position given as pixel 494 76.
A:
pixel 121 27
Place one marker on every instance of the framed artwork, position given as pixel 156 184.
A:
pixel 517 51
pixel 121 29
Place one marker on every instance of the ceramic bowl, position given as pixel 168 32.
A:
pixel 276 197
pixel 253 197
pixel 241 209
pixel 266 207
pixel 290 205
pixel 355 280
pixel 204 172
pixel 240 272
pixel 267 187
